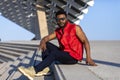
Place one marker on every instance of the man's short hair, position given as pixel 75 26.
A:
pixel 60 12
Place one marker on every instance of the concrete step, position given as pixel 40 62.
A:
pixel 22 43
pixel 32 42
pixel 27 61
pixel 4 59
pixel 28 58
pixel 27 47
pixel 9 52
pixel 1 61
pixel 11 68
pixel 35 59
pixel 8 57
pixel 73 72
pixel 4 67
pixel 15 49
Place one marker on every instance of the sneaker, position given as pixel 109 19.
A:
pixel 28 72
pixel 44 72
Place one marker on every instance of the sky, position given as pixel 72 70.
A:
pixel 10 31
pixel 102 22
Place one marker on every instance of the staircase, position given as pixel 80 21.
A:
pixel 14 54
pixel 24 53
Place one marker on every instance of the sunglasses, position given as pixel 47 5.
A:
pixel 58 19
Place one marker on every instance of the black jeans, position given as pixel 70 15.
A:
pixel 51 54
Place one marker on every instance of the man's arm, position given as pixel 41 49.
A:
pixel 81 35
pixel 47 38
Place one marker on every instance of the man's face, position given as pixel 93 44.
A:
pixel 61 20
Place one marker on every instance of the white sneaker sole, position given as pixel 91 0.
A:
pixel 43 74
pixel 25 74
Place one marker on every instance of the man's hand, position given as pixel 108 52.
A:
pixel 47 38
pixel 90 62
pixel 42 46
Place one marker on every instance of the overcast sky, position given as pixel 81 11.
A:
pixel 102 22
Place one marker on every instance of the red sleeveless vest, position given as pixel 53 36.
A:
pixel 69 42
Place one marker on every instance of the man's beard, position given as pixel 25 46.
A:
pixel 61 24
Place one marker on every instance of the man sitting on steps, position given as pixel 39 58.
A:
pixel 72 40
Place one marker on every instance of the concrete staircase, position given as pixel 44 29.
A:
pixel 16 53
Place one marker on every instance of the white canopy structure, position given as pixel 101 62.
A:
pixel 26 12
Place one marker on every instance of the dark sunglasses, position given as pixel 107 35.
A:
pixel 58 19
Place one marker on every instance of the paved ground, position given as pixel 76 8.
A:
pixel 107 55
